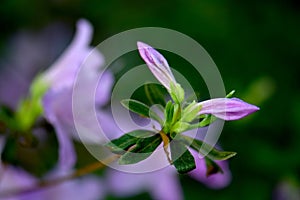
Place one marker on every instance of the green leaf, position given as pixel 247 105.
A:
pixel 190 112
pixel 142 150
pixel 141 109
pixel 176 114
pixel 136 107
pixel 182 158
pixel 155 93
pixel 180 127
pixel 212 167
pixel 120 145
pixel 176 92
pixel 206 149
pixel 169 110
pixel 207 120
pixel 230 94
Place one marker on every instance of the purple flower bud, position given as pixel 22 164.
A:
pixel 227 108
pixel 157 64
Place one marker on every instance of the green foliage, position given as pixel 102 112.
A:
pixel 190 112
pixel 177 92
pixel 136 107
pixel 31 108
pixel 121 144
pixel 143 148
pixel 181 157
pixel 141 109
pixel 206 149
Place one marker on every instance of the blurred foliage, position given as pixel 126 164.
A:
pixel 256 46
pixel 36 152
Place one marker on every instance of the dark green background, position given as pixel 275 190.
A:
pixel 256 46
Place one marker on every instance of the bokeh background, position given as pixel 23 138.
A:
pixel 255 45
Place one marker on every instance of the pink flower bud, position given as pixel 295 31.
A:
pixel 227 108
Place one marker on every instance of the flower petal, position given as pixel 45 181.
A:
pixel 58 111
pixel 13 178
pixel 215 181
pixel 157 64
pixel 227 108
pixel 161 184
pixel 63 72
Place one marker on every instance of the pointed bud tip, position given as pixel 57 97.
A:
pixel 255 108
pixel 227 108
pixel 145 52
pixel 142 45
pixel 157 64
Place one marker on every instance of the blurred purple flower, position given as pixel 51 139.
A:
pixel 57 102
pixel 63 72
pixel 28 53
pixel 35 51
pixel 162 184
pixel 14 179
pixel 227 108
pixel 58 111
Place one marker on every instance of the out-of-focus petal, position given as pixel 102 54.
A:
pixel 215 181
pixel 58 103
pixel 58 110
pixel 63 72
pixel 103 91
pixel 88 187
pixel 167 186
pixel 13 179
pixel 227 108
pixel 162 184
pixel 67 154
pixel 58 107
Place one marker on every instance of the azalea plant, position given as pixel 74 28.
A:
pixel 179 116
pixel 41 127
